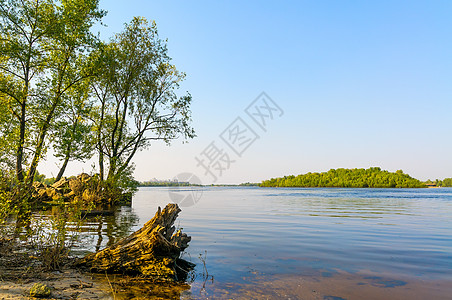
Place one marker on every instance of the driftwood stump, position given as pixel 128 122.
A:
pixel 152 251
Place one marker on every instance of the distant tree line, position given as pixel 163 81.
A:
pixel 164 183
pixel 446 182
pixel 249 184
pixel 348 178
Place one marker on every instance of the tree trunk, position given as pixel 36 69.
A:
pixel 112 169
pixel 63 167
pixel 99 138
pixel 68 151
pixel 153 251
pixel 41 137
pixel 101 166
pixel 20 146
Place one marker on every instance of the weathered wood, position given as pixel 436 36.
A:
pixel 152 251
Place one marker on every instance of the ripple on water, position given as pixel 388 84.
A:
pixel 311 242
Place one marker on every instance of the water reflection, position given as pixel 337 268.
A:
pixel 97 232
pixel 336 286
pixel 126 287
pixel 272 243
pixel 102 231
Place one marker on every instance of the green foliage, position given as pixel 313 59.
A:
pixel 136 94
pixel 73 131
pixel 7 201
pixel 43 46
pixel 51 236
pixel 39 177
pixel 15 204
pixel 446 182
pixel 350 178
pixel 119 189
pixel 49 181
pixel 61 87
pixel 54 235
pixel 249 184
pixel 8 133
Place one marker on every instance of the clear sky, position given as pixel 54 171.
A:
pixel 360 84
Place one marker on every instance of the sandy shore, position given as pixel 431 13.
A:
pixel 19 271
pixel 65 284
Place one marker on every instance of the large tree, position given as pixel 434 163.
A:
pixel 137 98
pixel 73 134
pixel 8 133
pixel 43 48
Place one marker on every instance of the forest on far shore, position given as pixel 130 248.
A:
pixel 373 177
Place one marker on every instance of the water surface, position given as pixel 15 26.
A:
pixel 301 243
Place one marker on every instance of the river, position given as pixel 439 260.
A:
pixel 303 243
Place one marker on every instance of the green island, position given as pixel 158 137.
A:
pixel 373 177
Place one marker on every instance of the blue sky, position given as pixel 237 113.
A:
pixel 361 84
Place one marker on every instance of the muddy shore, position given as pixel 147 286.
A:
pixel 19 271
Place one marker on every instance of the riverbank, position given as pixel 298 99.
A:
pixel 65 284
pixel 19 271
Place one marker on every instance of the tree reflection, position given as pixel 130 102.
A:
pixel 104 230
pixel 110 229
